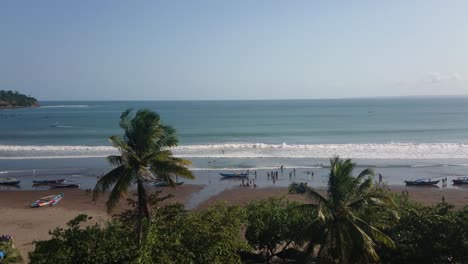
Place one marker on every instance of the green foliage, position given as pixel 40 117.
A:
pixel 274 225
pixel 428 234
pixel 145 156
pixel 15 99
pixel 297 187
pixel 173 235
pixel 210 236
pixel 12 255
pixel 92 244
pixel 347 236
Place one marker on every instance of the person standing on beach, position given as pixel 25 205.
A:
pixel 294 172
pixel 380 178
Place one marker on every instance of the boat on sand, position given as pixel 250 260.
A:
pixel 64 185
pixel 46 182
pixel 9 181
pixel 47 201
pixel 422 182
pixel 460 180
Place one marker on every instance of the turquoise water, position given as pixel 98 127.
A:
pixel 402 120
pixel 402 138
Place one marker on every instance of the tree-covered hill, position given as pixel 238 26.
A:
pixel 10 99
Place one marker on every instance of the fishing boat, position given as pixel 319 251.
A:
pixel 47 201
pixel 460 180
pixel 422 182
pixel 46 182
pixel 166 184
pixel 64 185
pixel 234 175
pixel 9 181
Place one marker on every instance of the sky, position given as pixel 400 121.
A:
pixel 243 49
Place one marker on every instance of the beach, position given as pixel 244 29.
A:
pixel 27 225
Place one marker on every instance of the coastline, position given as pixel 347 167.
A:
pixel 27 224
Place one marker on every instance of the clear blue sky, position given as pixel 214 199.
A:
pixel 158 50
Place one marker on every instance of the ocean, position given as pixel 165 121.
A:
pixel 402 138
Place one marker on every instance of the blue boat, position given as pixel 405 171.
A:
pixel 235 175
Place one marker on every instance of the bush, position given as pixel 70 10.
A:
pixel 12 255
pixel 425 234
pixel 93 244
pixel 274 225
pixel 173 236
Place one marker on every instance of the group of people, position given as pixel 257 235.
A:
pixel 444 181
pixel 248 183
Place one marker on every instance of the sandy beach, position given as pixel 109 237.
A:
pixel 423 195
pixel 27 224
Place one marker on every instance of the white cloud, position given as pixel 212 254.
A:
pixel 437 77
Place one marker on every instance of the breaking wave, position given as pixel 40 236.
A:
pixel 259 150
pixel 65 106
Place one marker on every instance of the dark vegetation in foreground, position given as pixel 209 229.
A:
pixel 356 230
pixel 10 99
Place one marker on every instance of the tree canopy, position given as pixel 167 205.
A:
pixel 15 99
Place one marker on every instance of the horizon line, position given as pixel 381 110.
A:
pixel 273 99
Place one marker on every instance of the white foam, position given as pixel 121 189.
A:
pixel 65 106
pixel 259 150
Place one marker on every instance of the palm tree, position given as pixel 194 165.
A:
pixel 145 156
pixel 345 234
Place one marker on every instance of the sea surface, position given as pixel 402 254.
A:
pixel 402 138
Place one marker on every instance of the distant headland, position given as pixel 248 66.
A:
pixel 13 99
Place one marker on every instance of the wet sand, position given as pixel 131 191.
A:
pixel 28 224
pixel 423 195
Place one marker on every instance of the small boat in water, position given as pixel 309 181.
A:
pixel 46 182
pixel 9 181
pixel 460 180
pixel 166 184
pixel 422 182
pixel 47 201
pixel 234 175
pixel 64 185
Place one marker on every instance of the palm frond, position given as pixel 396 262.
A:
pixel 106 181
pixel 172 166
pixel 115 160
pixel 119 190
pixel 377 234
pixel 124 119
pixel 364 239
pixel 314 196
pixel 365 173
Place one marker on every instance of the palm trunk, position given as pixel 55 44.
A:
pixel 140 213
pixel 143 209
